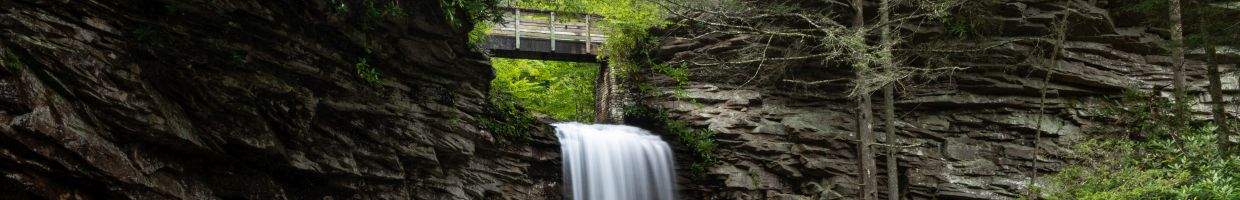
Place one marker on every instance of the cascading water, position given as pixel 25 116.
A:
pixel 605 162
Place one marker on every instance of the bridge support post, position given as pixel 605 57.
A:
pixel 602 94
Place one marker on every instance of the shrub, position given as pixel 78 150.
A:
pixel 1146 161
pixel 393 9
pixel 678 73
pixel 10 60
pixel 508 119
pixel 474 11
pixel 340 7
pixel 478 35
pixel 700 142
pixel 367 72
pixel 238 57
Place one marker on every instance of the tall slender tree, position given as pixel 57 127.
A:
pixel 889 113
pixel 798 34
pixel 1177 61
pixel 1218 110
pixel 865 118
pixel 1061 34
pixel 1215 25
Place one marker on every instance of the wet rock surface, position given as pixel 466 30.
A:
pixel 968 135
pixel 250 100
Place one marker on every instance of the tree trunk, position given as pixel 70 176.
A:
pixel 893 189
pixel 866 134
pixel 865 119
pixel 1061 31
pixel 1216 96
pixel 1177 60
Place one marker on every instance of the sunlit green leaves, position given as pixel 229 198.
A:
pixel 563 90
pixel 478 35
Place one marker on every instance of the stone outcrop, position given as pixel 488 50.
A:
pixel 967 135
pixel 251 100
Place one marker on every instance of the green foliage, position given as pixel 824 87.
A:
pixel 701 142
pixel 367 72
pixel 478 35
pixel 146 34
pixel 508 120
pixel 1150 163
pixel 1188 168
pixel 678 73
pixel 374 10
pixel 1211 22
pixel 371 10
pixel 563 90
pixel 474 11
pixel 393 9
pixel 339 6
pixel 957 27
pixel 970 19
pixel 174 8
pixel 10 60
pixel 238 57
pixel 1139 114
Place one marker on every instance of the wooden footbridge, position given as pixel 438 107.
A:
pixel 557 36
pixel 546 35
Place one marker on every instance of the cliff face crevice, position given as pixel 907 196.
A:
pixel 251 100
pixel 969 134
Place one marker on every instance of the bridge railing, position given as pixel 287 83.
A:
pixel 553 26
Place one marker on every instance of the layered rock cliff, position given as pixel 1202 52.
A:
pixel 967 135
pixel 208 99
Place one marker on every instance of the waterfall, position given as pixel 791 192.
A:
pixel 606 162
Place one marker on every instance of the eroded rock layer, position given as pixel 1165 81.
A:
pixel 213 99
pixel 969 134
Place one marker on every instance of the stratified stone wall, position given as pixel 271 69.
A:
pixel 170 99
pixel 970 133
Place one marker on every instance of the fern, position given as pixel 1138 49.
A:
pixel 367 72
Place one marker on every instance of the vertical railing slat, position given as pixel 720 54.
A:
pixel 589 38
pixel 517 20
pixel 551 30
pixel 572 30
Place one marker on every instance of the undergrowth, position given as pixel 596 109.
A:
pixel 1153 155
pixel 366 72
pixel 969 19
pixel 700 141
pixel 478 35
pixel 470 11
pixel 508 119
pixel 10 60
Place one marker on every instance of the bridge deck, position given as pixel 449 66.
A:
pixel 546 35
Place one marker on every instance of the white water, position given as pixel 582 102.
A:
pixel 606 162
